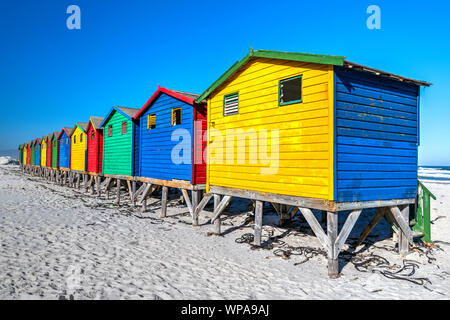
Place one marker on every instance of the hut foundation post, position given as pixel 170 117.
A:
pixel 217 223
pixel 332 231
pixel 164 193
pixel 92 184
pixel 78 180
pixel 258 222
pixel 98 181
pixel 403 242
pixel 118 192
pixel 195 197
pixel 133 194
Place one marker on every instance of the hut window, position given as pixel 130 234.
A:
pixel 81 137
pixel 231 104
pixel 151 121
pixel 92 135
pixel 110 130
pixel 74 139
pixel 124 127
pixel 176 116
pixel 290 91
pixel 67 140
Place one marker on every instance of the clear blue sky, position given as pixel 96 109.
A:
pixel 52 76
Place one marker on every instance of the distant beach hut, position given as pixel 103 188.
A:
pixel 44 151
pixel 33 152
pixel 119 152
pixel 24 153
pixel 167 113
pixel 21 153
pixel 54 144
pixel 78 147
pixel 64 148
pixel 37 152
pixel 29 153
pixel 94 145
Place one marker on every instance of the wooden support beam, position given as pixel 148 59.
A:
pixel 195 201
pixel 117 192
pixel 164 194
pixel 139 191
pixel 332 230
pixel 202 203
pixel 188 201
pixel 217 222
pixel 345 232
pixel 258 223
pixel 133 193
pixel 371 225
pixel 316 228
pixel 130 191
pixel 404 238
pixel 400 218
pixel 146 192
pixel 293 212
pixel 222 205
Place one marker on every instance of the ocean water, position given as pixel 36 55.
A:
pixel 434 174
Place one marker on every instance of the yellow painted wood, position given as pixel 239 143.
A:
pixel 78 150
pixel 331 135
pixel 25 153
pixel 304 131
pixel 43 153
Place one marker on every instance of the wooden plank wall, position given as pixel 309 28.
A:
pixel 156 144
pixel 199 142
pixel 64 151
pixel 55 149
pixel 78 152
pixel 117 150
pixel 376 132
pixel 305 133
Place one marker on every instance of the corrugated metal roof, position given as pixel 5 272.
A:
pixel 356 66
pixel 83 125
pixel 129 111
pixel 96 121
pixel 187 94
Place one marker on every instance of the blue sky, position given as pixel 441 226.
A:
pixel 52 76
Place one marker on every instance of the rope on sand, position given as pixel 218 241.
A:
pixel 369 262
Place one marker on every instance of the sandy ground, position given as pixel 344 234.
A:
pixel 62 243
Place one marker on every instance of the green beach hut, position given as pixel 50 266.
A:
pixel 119 135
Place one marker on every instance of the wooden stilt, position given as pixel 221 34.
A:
pixel 217 222
pixel 403 243
pixel 195 197
pixel 258 222
pixel 118 192
pixel 371 225
pixel 222 205
pixel 165 191
pixel 188 201
pixel 133 194
pixel 332 231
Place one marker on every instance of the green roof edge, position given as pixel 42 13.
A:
pixel 293 56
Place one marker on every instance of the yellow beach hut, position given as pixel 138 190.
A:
pixel 44 152
pixel 78 147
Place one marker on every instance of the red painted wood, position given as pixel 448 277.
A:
pixel 166 91
pixel 49 153
pixel 199 144
pixel 29 155
pixel 94 149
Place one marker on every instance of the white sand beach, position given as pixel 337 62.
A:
pixel 62 243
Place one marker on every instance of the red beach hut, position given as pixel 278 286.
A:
pixel 95 145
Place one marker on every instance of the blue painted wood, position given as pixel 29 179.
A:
pixel 376 137
pixel 64 151
pixel 136 146
pixel 37 155
pixel 157 145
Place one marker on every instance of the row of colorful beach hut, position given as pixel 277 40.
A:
pixel 111 145
pixel 340 136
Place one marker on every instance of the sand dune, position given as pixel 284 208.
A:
pixel 62 243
